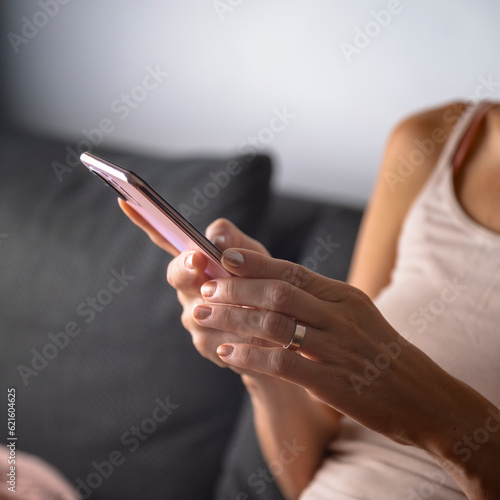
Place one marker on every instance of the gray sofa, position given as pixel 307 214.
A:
pixel 109 387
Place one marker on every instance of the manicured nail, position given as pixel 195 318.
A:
pixel 219 240
pixel 208 288
pixel 225 350
pixel 233 258
pixel 188 262
pixel 202 312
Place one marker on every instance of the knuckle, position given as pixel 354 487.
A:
pixel 229 286
pixel 356 293
pixel 220 225
pixel 170 274
pixel 280 363
pixel 261 267
pixel 187 320
pixel 202 345
pixel 185 301
pixel 174 270
pixel 280 292
pixel 254 319
pixel 274 325
pixel 227 316
pixel 224 315
pixel 246 357
pixel 296 275
pixel 358 298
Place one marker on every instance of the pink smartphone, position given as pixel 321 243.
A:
pixel 158 212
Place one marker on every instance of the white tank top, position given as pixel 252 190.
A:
pixel 444 297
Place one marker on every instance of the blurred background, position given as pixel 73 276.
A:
pixel 318 84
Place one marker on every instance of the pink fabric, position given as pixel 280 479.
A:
pixel 35 479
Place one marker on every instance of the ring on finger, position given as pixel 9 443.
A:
pixel 297 338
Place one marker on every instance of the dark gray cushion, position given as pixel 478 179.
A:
pixel 245 474
pixel 319 235
pixel 329 243
pixel 123 384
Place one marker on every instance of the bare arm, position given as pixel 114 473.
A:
pixel 294 430
pixel 397 186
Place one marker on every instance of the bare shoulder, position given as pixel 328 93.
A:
pixel 415 144
pixel 427 120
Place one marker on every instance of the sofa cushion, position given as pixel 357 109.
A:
pixel 109 386
pixel 329 242
pixel 319 235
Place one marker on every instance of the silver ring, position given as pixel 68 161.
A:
pixel 298 337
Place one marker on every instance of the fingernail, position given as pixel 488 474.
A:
pixel 219 240
pixel 202 312
pixel 208 288
pixel 225 350
pixel 233 258
pixel 188 262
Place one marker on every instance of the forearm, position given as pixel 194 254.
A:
pixel 294 431
pixel 468 447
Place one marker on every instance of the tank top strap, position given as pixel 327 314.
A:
pixel 442 172
pixel 447 153
pixel 466 137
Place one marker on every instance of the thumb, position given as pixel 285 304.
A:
pixel 224 234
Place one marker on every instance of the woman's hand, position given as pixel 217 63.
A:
pixel 350 358
pixel 186 273
pixel 283 412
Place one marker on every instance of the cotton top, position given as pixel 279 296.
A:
pixel 444 297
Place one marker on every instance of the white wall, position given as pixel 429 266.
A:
pixel 227 75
